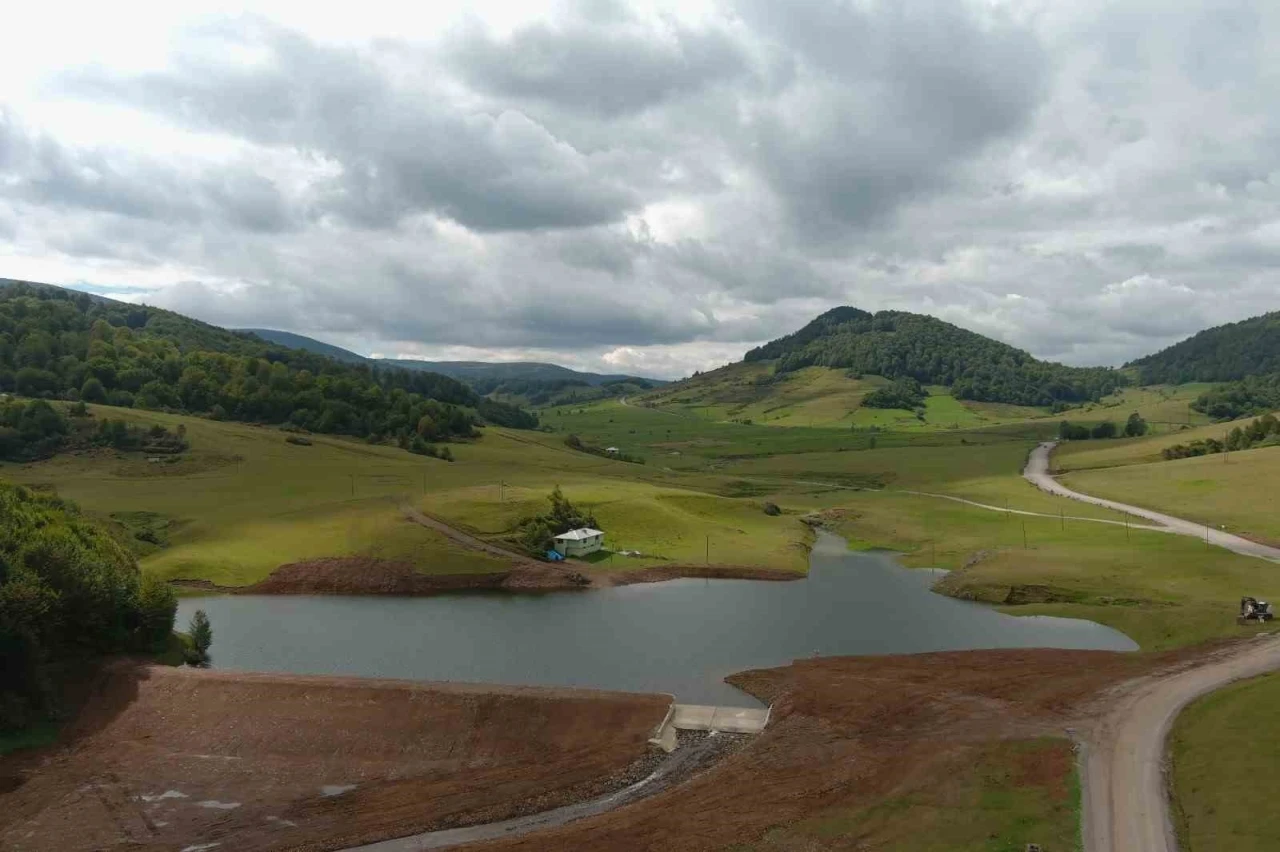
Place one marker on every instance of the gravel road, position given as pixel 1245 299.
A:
pixel 1126 800
pixel 1037 473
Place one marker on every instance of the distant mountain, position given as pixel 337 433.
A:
pixel 1225 353
pixel 298 341
pixel 501 371
pixel 531 382
pixel 68 345
pixel 900 345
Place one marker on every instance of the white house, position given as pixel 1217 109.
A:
pixel 580 542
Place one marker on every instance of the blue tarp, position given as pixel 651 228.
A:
pixel 555 556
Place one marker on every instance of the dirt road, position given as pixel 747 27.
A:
pixel 1037 473
pixel 1126 803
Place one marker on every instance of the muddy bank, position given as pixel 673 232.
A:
pixel 170 758
pixel 362 575
pixel 659 573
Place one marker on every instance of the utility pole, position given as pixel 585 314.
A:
pixel 1024 535
pixel 353 483
pixel 708 549
pixel 1062 518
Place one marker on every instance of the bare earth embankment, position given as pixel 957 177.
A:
pixel 166 759
pixel 171 758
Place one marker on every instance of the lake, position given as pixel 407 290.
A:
pixel 681 636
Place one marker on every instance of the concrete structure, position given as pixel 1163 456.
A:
pixel 735 720
pixel 703 717
pixel 580 542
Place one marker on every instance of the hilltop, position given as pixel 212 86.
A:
pixel 1221 354
pixel 886 370
pixel 899 345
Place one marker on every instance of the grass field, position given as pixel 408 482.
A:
pixel 1232 490
pixel 1224 752
pixel 1161 590
pixel 244 501
pixel 997 797
pixel 1083 455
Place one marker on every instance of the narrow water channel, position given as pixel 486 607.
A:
pixel 680 636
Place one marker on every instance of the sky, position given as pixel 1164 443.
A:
pixel 650 187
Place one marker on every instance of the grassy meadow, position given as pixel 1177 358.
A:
pixel 1224 751
pixel 993 796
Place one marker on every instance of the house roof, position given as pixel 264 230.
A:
pixel 579 535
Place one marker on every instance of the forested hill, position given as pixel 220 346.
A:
pixel 310 344
pixel 61 344
pixel 901 345
pixel 1222 354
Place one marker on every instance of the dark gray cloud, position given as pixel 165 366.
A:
pixel 1088 181
pixel 600 61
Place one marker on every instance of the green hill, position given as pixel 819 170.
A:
pixel 1222 354
pixel 1245 355
pixel 61 344
pixel 905 346
pixel 310 344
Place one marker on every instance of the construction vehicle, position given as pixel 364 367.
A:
pixel 1252 609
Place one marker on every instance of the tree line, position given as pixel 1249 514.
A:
pixel 36 429
pixel 60 345
pixel 1263 432
pixel 1134 427
pixel 901 345
pixel 68 591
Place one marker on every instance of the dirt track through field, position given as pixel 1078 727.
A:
pixel 1126 798
pixel 1037 473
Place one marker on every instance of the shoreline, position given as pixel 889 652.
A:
pixel 367 576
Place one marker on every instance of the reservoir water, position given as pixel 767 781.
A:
pixel 680 636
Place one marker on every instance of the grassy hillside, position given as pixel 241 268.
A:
pixel 243 501
pixel 901 345
pixel 1231 490
pixel 1222 804
pixel 1082 455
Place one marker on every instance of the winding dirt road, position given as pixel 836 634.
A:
pixel 1037 473
pixel 1126 799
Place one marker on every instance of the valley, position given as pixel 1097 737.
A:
pixel 335 519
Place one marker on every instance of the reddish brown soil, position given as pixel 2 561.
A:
pixel 845 733
pixel 659 573
pixel 848 732
pixel 421 756
pixel 365 575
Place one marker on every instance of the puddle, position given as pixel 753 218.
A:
pixel 329 790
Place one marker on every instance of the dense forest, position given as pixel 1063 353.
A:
pixel 901 345
pixel 904 393
pixel 67 591
pixel 59 344
pixel 1253 395
pixel 1223 354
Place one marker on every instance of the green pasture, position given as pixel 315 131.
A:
pixel 1160 589
pixel 1224 751
pixel 984 797
pixel 1083 455
pixel 1234 491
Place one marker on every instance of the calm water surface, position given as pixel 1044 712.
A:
pixel 680 637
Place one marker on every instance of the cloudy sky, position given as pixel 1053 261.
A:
pixel 651 187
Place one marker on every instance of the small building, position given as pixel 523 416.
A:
pixel 580 542
pixel 613 451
